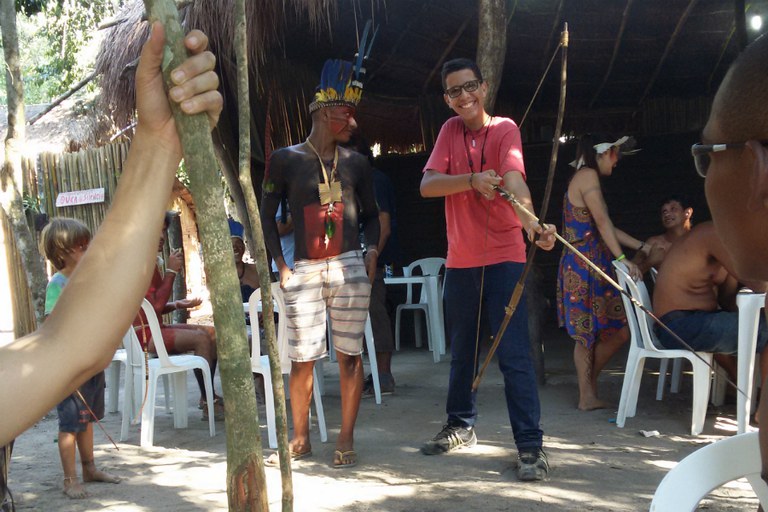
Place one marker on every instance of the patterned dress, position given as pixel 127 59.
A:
pixel 587 306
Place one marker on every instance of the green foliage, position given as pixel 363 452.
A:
pixel 58 41
pixel 29 7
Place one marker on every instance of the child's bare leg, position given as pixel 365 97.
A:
pixel 72 487
pixel 90 473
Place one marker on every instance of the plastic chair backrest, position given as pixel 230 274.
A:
pixel 254 303
pixel 426 267
pixel 133 351
pixel 639 292
pixel 157 335
pixel 708 468
pixel 629 308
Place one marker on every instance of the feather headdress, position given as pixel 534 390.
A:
pixel 341 82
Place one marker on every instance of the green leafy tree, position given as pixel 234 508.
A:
pixel 58 43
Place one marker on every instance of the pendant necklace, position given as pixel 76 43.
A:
pixel 329 191
pixel 486 125
pixel 482 148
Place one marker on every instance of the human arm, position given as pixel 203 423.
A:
pixel 437 184
pixel 515 184
pixel 369 218
pixel 650 255
pixel 50 363
pixel 285 228
pixel 270 201
pixel 587 185
pixel 385 229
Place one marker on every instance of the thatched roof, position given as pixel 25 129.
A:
pixel 649 65
pixel 267 27
pixel 73 125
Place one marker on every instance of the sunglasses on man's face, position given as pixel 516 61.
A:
pixel 455 91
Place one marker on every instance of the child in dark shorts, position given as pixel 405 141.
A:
pixel 64 242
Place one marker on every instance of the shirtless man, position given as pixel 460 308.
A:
pixel 734 158
pixel 330 190
pixel 676 219
pixel 695 296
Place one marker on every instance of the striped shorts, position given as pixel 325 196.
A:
pixel 336 288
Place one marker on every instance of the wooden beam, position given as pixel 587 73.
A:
pixel 667 50
pixel 616 46
pixel 395 47
pixel 79 85
pixel 553 34
pixel 445 53
pixel 726 43
pixel 740 19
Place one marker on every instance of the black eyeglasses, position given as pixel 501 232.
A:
pixel 701 153
pixel 455 91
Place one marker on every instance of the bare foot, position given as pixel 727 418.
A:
pixel 91 474
pixel 73 489
pixel 593 404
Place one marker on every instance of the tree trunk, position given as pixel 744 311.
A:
pixel 491 45
pixel 176 241
pixel 246 484
pixel 11 182
pixel 259 252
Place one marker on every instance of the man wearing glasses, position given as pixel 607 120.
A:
pixel 475 153
pixel 734 160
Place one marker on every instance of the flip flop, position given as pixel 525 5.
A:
pixel 343 460
pixel 273 461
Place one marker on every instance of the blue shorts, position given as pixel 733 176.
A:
pixel 73 415
pixel 706 331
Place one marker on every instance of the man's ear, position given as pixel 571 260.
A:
pixel 758 154
pixel 688 212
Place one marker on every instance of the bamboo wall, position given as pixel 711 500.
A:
pixel 67 172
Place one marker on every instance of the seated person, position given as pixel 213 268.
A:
pixel 695 296
pixel 676 215
pixel 179 338
pixel 247 273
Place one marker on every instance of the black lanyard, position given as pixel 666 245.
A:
pixel 482 148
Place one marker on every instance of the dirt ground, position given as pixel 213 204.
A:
pixel 594 465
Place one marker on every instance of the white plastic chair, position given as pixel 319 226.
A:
pixel 112 372
pixel 643 347
pixel 260 362
pixel 176 366
pixel 427 267
pixel 708 468
pixel 750 305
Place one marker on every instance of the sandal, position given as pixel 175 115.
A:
pixel 202 404
pixel 218 409
pixel 273 461
pixel 343 460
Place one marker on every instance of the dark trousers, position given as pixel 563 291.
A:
pixel 380 323
pixel 462 301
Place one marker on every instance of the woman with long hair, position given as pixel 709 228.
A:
pixel 588 307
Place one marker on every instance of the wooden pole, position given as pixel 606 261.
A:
pixel 246 483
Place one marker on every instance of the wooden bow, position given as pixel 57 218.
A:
pixel 520 286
